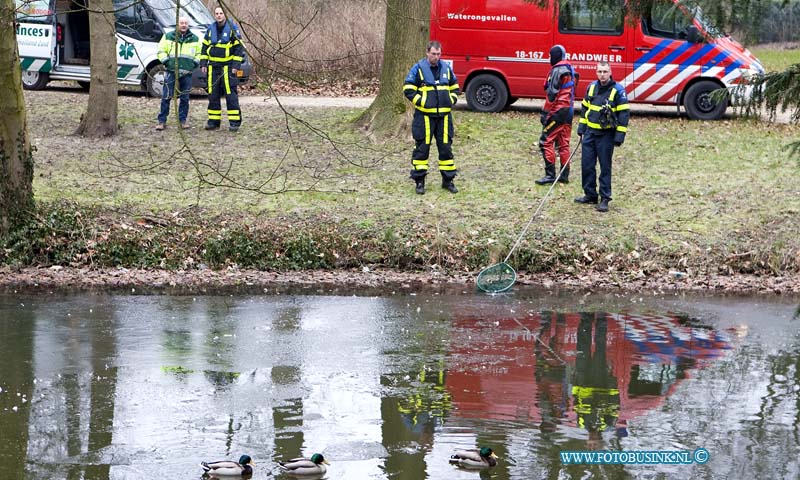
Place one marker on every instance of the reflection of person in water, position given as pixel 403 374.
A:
pixel 426 406
pixel 551 371
pixel 594 386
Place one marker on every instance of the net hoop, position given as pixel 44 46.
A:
pixel 496 278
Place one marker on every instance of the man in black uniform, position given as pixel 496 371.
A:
pixel 603 125
pixel 432 87
pixel 221 59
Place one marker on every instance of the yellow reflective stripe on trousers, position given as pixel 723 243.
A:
pixel 210 70
pixel 427 129
pixel 214 114
pixel 227 80
pixel 447 165
pixel 234 115
pixel 445 136
pixel 420 164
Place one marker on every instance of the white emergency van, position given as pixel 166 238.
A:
pixel 53 40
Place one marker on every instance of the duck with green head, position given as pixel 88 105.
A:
pixel 229 468
pixel 474 458
pixel 305 466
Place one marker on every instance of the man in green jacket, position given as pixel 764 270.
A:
pixel 179 51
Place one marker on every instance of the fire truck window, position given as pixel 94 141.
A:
pixel 667 21
pixel 576 16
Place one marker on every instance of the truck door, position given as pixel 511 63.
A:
pixel 595 34
pixel 665 60
pixel 36 40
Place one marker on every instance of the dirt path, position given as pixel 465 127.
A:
pixel 522 105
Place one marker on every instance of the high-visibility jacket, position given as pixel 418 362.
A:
pixel 605 108
pixel 183 49
pixel 431 95
pixel 222 46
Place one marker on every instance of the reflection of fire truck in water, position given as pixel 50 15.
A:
pixel 592 370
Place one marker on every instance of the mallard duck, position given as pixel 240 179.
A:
pixel 227 467
pixel 474 458
pixel 306 466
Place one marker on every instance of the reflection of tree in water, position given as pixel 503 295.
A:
pixel 16 377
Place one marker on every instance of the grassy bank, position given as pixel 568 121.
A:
pixel 702 197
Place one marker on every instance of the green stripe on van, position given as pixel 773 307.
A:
pixel 35 64
pixel 123 71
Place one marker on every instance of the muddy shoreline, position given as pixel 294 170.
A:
pixel 208 281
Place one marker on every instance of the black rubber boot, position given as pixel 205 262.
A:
pixel 449 186
pixel 586 200
pixel 420 186
pixel 603 205
pixel 564 178
pixel 549 174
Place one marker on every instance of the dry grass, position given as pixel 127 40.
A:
pixel 716 196
pixel 313 39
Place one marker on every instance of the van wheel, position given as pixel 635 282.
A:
pixel 699 103
pixel 34 80
pixel 511 101
pixel 487 93
pixel 154 83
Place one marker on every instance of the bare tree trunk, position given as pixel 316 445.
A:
pixel 16 155
pixel 100 119
pixel 407 31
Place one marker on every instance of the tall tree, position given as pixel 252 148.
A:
pixel 407 31
pixel 16 153
pixel 100 119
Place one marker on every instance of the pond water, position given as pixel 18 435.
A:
pixel 111 386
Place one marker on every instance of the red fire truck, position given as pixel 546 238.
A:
pixel 499 50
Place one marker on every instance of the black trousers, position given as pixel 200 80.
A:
pixel 597 145
pixel 222 82
pixel 425 128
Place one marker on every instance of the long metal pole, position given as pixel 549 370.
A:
pixel 541 204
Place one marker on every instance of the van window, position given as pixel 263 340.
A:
pixel 666 20
pixel 37 11
pixel 134 21
pixel 576 16
pixel 194 10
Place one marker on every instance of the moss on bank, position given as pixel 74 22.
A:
pixel 67 234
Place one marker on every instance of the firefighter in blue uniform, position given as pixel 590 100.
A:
pixel 221 59
pixel 602 126
pixel 432 87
